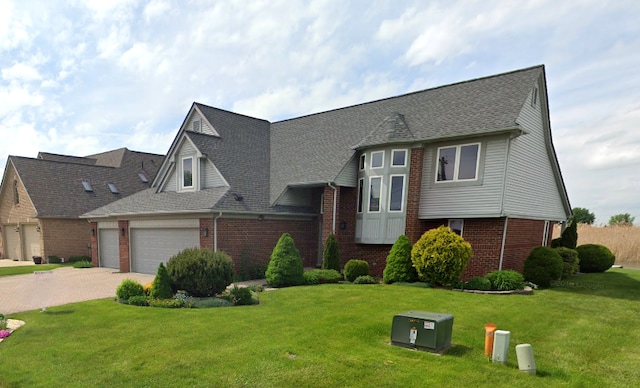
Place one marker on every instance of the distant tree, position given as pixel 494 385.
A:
pixel 583 216
pixel 621 220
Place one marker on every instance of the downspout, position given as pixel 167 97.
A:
pixel 335 206
pixel 215 232
pixel 504 239
pixel 504 187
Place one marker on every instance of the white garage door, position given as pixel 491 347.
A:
pixel 109 248
pixel 11 242
pixel 150 247
pixel 31 241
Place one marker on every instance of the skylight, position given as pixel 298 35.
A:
pixel 143 178
pixel 113 188
pixel 87 186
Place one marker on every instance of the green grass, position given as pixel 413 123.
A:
pixel 583 332
pixel 25 269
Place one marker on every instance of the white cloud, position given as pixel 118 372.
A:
pixel 21 72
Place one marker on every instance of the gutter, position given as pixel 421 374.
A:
pixel 504 239
pixel 215 232
pixel 335 206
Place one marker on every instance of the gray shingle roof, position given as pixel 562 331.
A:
pixel 55 187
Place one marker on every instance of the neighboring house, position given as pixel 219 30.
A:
pixel 41 199
pixel 476 156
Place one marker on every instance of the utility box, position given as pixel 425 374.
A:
pixel 501 346
pixel 422 330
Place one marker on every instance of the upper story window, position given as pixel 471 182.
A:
pixel 16 195
pixel 458 163
pixel 375 188
pixel 187 173
pixel 396 193
pixel 360 194
pixel 399 158
pixel 362 161
pixel 377 159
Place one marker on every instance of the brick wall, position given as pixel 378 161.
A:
pixel 124 245
pixel 93 232
pixel 522 236
pixel 65 237
pixel 413 226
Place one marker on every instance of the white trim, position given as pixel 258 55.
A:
pixel 456 168
pixel 461 224
pixel 369 196
pixel 360 198
pixel 362 162
pixel 404 163
pixel 108 225
pixel 404 179
pixel 381 162
pixel 545 234
pixel 177 223
pixel 182 186
pixel 504 242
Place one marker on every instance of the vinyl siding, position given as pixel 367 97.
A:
pixel 348 177
pixel 211 177
pixel 204 125
pixel 296 197
pixel 531 189
pixel 465 200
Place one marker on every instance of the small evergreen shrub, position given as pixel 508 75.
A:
pixel 240 296
pixel 505 280
pixel 355 268
pixel 595 258
pixel 200 271
pixel 285 267
pixel 543 266
pixel 570 261
pixel 161 286
pixel 139 300
pixel 399 266
pixel 365 279
pixel 440 256
pixel 75 259
pixel 331 254
pixel 166 303
pixel 82 264
pixel 129 288
pixel 478 283
pixel 568 238
pixel 321 276
pixel 54 260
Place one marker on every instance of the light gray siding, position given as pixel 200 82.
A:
pixel 482 198
pixel 202 125
pixel 348 177
pixel 211 177
pixel 296 197
pixel 531 189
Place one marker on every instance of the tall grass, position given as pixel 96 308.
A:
pixel 623 241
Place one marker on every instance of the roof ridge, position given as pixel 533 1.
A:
pixel 58 161
pixel 228 111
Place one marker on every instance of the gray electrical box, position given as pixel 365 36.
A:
pixel 422 330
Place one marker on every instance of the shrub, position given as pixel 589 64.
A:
pixel 568 238
pixel 399 266
pixel 285 267
pixel 570 261
pixel 365 279
pixel 183 297
pixel 479 283
pixel 139 300
pixel 330 254
pixel 595 258
pixel 82 264
pixel 200 271
pixel 147 288
pixel 440 256
pixel 75 259
pixel 3 322
pixel 205 303
pixel 240 296
pixel 505 280
pixel 166 303
pixel 161 288
pixel 355 268
pixel 54 260
pixel 543 266
pixel 321 276
pixel 129 288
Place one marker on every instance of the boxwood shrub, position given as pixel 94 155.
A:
pixel 200 271
pixel 543 266
pixel 478 283
pixel 595 258
pixel 365 279
pixel 129 288
pixel 505 280
pixel 440 256
pixel 355 268
pixel 321 276
pixel 570 261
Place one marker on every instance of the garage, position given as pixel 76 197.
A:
pixel 151 246
pixel 31 235
pixel 11 242
pixel 109 254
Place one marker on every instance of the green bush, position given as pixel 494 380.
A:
pixel 355 268
pixel 568 238
pixel 139 300
pixel 595 258
pixel 440 256
pixel 399 266
pixel 570 261
pixel 285 267
pixel 82 264
pixel 161 288
pixel 129 288
pixel 331 254
pixel 75 259
pixel 240 296
pixel 478 283
pixel 54 260
pixel 543 266
pixel 322 276
pixel 200 271
pixel 505 280
pixel 365 279
pixel 166 303
pixel 3 322
pixel 205 303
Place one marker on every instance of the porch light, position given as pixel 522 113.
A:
pixel 38 228
pixel 17 229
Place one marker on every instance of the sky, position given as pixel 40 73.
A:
pixel 81 77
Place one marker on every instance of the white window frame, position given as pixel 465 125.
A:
pixel 456 169
pixel 545 234
pixel 360 195
pixel 381 162
pixel 363 162
pixel 193 174
pixel 404 163
pixel 369 196
pixel 404 180
pixel 461 224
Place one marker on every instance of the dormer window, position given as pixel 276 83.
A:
pixel 187 173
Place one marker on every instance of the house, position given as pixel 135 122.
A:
pixel 42 198
pixel 476 156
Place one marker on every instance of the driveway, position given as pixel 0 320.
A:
pixel 61 286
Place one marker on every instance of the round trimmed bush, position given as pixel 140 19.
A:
pixel 399 266
pixel 505 280
pixel 200 271
pixel 479 283
pixel 543 266
pixel 355 268
pixel 570 261
pixel 440 256
pixel 285 267
pixel 366 279
pixel 129 288
pixel 595 258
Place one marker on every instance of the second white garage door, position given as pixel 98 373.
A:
pixel 150 247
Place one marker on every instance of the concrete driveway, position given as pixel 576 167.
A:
pixel 61 286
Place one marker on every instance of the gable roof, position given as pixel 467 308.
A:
pixel 313 149
pixel 54 182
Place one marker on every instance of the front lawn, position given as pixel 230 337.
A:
pixel 583 332
pixel 25 269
